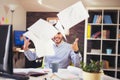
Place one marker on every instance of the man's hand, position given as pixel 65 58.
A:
pixel 26 44
pixel 75 45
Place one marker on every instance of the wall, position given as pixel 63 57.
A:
pixel 19 16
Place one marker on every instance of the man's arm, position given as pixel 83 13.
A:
pixel 76 58
pixel 75 54
pixel 29 54
pixel 75 46
pixel 26 44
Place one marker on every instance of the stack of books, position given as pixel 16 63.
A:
pixel 95 51
pixel 105 64
pixel 106 34
pixel 97 19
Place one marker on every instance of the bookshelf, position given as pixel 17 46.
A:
pixel 102 32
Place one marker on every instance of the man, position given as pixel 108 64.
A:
pixel 65 53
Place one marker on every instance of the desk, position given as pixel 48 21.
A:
pixel 51 76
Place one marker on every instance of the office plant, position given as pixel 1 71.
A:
pixel 92 70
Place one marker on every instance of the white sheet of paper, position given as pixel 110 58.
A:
pixel 42 47
pixel 106 77
pixel 66 75
pixel 72 15
pixel 75 70
pixel 44 29
pixel 60 29
pixel 27 70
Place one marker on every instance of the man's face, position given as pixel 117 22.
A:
pixel 58 38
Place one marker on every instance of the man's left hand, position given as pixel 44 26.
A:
pixel 75 45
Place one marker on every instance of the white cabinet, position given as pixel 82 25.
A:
pixel 102 32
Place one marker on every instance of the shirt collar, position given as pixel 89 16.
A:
pixel 59 44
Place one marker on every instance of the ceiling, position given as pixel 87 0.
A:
pixel 57 5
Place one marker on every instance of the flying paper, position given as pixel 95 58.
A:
pixel 72 15
pixel 59 27
pixel 44 29
pixel 41 33
pixel 42 47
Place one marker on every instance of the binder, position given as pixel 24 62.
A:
pixel 88 31
pixel 95 18
pixel 107 19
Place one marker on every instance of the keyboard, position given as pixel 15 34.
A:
pixel 14 76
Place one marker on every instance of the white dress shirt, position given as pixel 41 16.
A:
pixel 64 55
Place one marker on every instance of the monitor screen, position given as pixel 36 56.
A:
pixel 18 38
pixel 6 55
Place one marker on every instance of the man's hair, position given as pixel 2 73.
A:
pixel 59 33
pixel 62 36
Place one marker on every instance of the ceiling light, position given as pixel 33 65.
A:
pixel 40 1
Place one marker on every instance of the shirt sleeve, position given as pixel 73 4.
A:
pixel 30 55
pixel 76 58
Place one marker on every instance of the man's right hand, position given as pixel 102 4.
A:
pixel 26 44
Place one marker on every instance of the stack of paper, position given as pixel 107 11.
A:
pixel 29 71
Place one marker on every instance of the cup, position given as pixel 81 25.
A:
pixel 54 67
pixel 109 51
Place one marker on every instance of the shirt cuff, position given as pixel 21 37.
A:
pixel 76 52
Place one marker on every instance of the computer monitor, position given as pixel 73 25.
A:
pixel 6 54
pixel 18 38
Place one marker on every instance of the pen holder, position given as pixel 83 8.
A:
pixel 109 51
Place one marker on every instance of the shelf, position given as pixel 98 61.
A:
pixel 118 62
pixel 93 53
pixel 118 69
pixel 92 13
pixel 93 57
pixel 110 24
pixel 102 28
pixel 119 47
pixel 113 15
pixel 102 39
pixel 110 69
pixel 95 24
pixel 110 73
pixel 104 54
pixel 109 39
pixel 118 74
pixel 108 45
pixel 93 39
